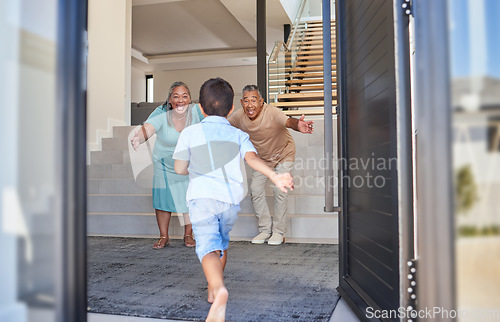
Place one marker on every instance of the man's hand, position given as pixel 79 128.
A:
pixel 283 181
pixel 305 126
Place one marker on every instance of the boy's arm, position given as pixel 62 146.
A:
pixel 181 166
pixel 281 180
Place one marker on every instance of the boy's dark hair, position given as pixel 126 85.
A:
pixel 216 97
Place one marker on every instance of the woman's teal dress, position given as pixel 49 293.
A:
pixel 169 188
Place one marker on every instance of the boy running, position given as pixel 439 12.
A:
pixel 210 153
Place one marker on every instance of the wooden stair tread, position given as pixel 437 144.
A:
pixel 309 32
pixel 273 77
pixel 314 24
pixel 308 88
pixel 312 57
pixel 312 38
pixel 314 28
pixel 302 103
pixel 306 69
pixel 312 62
pixel 306 81
pixel 307 75
pixel 304 95
pixel 314 42
pixel 316 111
pixel 311 52
pixel 307 47
pixel 310 75
pixel 319 21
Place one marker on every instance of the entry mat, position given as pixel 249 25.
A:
pixel 265 283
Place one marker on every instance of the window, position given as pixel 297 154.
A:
pixel 149 88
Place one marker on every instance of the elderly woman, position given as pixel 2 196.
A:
pixel 169 188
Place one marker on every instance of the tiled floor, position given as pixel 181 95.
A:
pixel 343 313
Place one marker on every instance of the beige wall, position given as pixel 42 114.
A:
pixel 238 77
pixel 109 67
pixel 138 86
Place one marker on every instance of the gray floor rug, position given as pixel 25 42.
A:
pixel 265 283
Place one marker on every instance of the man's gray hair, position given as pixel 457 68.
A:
pixel 250 88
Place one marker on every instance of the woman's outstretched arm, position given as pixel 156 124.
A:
pixel 142 135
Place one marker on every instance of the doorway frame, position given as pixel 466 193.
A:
pixel 71 182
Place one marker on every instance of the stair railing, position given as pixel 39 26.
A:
pixel 284 55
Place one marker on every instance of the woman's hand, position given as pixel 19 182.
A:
pixel 142 135
pixel 135 141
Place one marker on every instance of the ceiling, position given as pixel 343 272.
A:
pixel 183 34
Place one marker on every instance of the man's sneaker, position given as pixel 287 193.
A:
pixel 276 239
pixel 261 238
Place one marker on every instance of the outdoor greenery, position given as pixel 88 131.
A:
pixel 465 190
pixel 471 231
pixel 466 195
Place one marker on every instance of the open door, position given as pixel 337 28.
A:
pixel 376 223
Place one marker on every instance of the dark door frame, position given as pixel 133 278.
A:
pixel 355 296
pixel 71 186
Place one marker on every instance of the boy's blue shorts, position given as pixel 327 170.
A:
pixel 212 221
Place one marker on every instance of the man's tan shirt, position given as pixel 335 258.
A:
pixel 268 134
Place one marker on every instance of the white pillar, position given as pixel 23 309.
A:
pixel 108 68
pixel 10 309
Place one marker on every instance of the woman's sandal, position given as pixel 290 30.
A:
pixel 189 241
pixel 164 241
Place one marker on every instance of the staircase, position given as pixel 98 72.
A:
pixel 120 201
pixel 296 71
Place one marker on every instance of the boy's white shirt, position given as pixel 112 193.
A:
pixel 213 177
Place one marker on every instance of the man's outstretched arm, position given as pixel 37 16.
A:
pixel 300 125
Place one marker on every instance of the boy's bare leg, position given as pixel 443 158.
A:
pixel 213 269
pixel 223 260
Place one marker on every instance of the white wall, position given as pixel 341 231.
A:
pixel 138 86
pixel 238 77
pixel 291 7
pixel 109 67
pixel 312 10
pixel 315 8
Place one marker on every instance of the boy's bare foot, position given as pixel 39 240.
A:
pixel 217 311
pixel 210 292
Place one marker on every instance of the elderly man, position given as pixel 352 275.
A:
pixel 267 127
